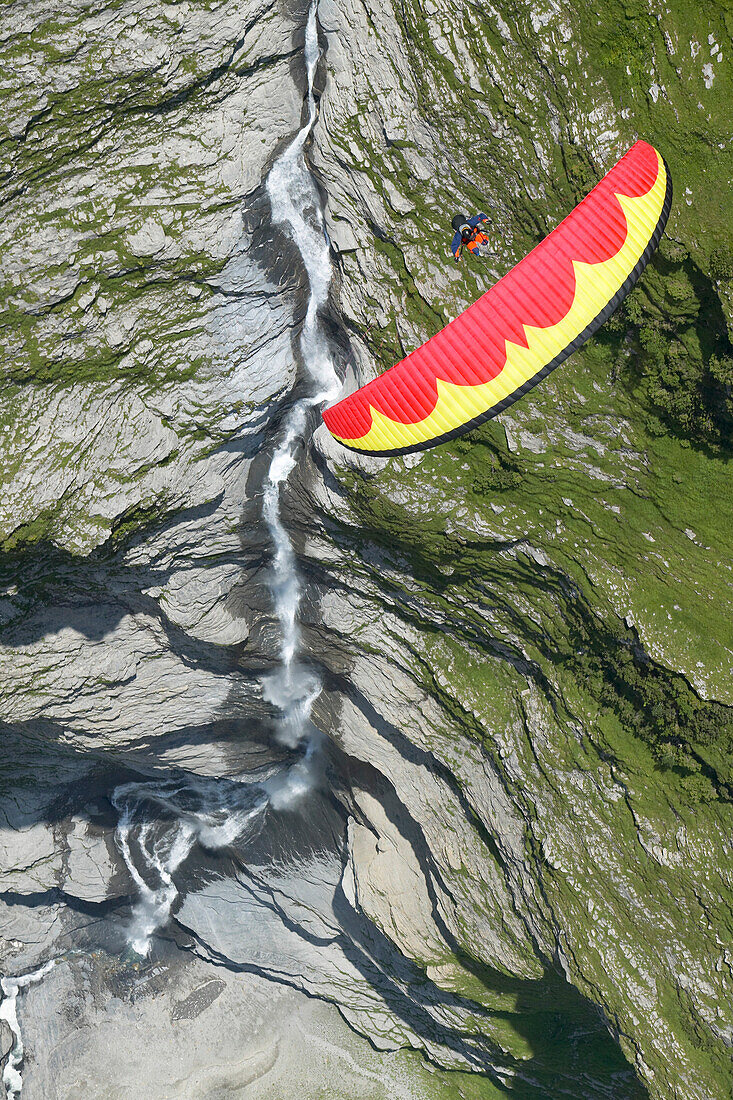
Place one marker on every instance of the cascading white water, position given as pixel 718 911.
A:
pixel 296 205
pixel 210 812
pixel 11 987
pixel 159 823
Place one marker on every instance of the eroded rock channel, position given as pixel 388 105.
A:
pixel 405 779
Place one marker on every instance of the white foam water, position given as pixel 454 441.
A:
pixel 296 206
pixel 162 822
pixel 159 823
pixel 12 987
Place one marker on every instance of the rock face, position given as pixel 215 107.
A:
pixel 147 347
pixel 513 856
pixel 7 1041
pixel 539 618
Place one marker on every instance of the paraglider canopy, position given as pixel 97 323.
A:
pixel 528 323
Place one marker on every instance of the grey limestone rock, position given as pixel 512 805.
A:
pixel 488 856
pixel 571 850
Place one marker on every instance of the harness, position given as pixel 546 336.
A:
pixel 470 236
pixel 476 241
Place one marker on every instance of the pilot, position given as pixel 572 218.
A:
pixel 468 234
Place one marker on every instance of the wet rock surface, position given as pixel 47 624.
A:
pixel 7 1041
pixel 512 858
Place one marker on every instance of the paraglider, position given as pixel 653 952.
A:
pixel 469 234
pixel 528 323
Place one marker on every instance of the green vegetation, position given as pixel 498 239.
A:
pixel 653 703
pixel 625 37
pixel 502 573
pixel 671 345
pixel 500 473
pixel 38 530
pixel 656 705
pixel 136 521
pixel 61 345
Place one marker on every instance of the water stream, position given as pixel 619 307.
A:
pixel 11 988
pixel 296 206
pixel 159 823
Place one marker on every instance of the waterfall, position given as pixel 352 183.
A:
pixel 296 205
pixel 159 823
pixel 11 987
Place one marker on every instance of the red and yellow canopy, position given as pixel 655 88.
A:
pixel 524 326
